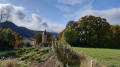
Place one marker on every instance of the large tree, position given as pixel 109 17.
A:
pixel 7 39
pixel 94 30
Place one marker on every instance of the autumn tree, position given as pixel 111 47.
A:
pixel 94 30
pixel 61 34
pixel 18 40
pixel 115 38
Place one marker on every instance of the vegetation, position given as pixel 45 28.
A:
pixel 15 52
pixel 109 56
pixel 38 37
pixel 8 39
pixel 25 56
pixel 91 31
pixel 66 55
pixel 9 63
pixel 47 44
pixel 71 36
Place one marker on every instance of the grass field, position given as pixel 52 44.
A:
pixel 110 56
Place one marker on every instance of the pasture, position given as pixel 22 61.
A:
pixel 109 56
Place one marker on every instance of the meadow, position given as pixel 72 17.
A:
pixel 111 57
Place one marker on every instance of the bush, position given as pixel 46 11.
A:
pixel 65 54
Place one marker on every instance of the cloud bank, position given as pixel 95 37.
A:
pixel 35 22
pixel 112 15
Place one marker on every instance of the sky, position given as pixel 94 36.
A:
pixel 53 15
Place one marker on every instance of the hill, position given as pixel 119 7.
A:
pixel 22 31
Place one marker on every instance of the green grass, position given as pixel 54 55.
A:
pixel 111 56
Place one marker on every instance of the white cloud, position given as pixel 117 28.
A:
pixel 20 18
pixel 112 15
pixel 71 2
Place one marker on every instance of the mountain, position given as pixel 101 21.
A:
pixel 22 31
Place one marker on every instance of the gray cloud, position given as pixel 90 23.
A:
pixel 20 18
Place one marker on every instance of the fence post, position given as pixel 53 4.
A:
pixel 91 63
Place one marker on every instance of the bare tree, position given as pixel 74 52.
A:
pixel 4 15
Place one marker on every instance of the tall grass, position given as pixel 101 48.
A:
pixel 66 55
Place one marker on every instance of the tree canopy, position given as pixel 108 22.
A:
pixel 91 31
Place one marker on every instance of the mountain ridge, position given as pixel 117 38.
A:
pixel 22 31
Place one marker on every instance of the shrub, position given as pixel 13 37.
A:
pixel 65 54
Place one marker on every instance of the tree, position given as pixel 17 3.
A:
pixel 93 30
pixel 48 35
pixel 71 36
pixel 18 39
pixel 61 34
pixel 38 37
pixel 4 15
pixel 70 24
pixel 115 38
pixel 7 39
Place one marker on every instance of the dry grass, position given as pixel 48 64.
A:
pixel 9 63
pixel 95 63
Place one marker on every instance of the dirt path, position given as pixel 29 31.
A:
pixel 49 62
